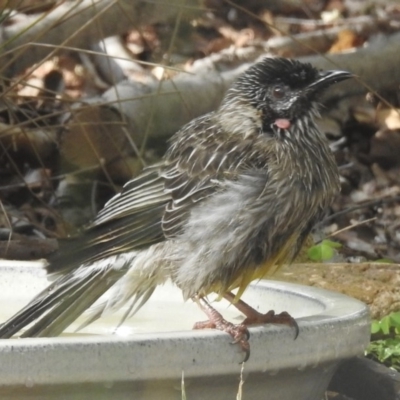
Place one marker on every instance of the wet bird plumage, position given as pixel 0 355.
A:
pixel 233 199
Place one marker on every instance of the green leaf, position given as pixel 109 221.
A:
pixel 395 319
pixel 385 325
pixel 323 251
pixel 331 243
pixel 388 352
pixel 384 261
pixel 375 326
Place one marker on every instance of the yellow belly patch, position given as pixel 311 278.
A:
pixel 268 268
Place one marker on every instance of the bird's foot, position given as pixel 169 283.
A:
pixel 238 332
pixel 253 317
pixel 270 317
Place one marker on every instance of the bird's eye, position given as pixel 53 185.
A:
pixel 278 92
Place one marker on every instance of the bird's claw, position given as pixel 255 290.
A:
pixel 270 317
pixel 241 336
pixel 239 332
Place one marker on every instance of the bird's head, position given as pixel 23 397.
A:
pixel 279 91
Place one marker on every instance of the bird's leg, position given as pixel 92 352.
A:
pixel 239 332
pixel 254 317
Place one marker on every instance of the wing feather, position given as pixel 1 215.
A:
pixel 130 221
pixel 196 166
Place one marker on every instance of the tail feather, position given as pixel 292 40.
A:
pixel 135 288
pixel 75 302
pixel 134 307
pixel 62 302
pixel 42 302
pixel 132 275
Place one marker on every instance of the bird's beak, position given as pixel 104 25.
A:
pixel 327 78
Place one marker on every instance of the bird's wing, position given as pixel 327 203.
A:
pixel 197 165
pixel 156 204
pixel 131 220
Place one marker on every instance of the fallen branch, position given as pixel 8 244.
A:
pixel 78 24
pixel 159 109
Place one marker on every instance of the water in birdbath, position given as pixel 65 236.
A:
pixel 166 311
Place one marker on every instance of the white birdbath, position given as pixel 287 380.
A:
pixel 147 357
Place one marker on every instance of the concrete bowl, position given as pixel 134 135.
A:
pixel 156 356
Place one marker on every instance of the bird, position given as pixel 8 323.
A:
pixel 235 196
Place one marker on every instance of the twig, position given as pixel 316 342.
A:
pixel 347 228
pixel 366 204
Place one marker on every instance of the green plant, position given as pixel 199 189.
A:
pixel 323 251
pixel 385 340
